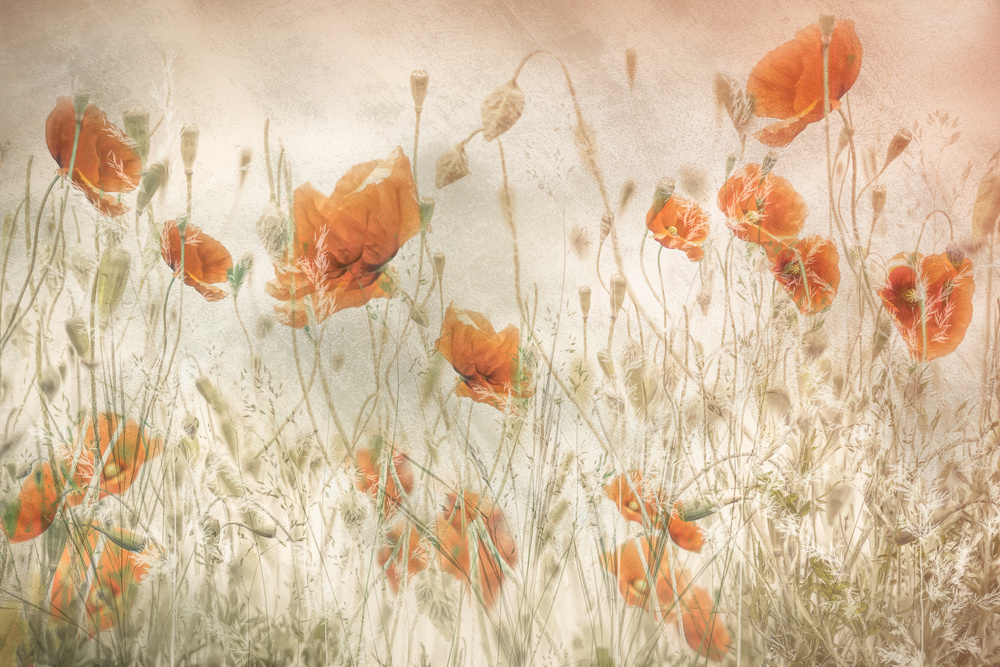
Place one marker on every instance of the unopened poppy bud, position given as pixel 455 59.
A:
pixel 49 381
pixel 897 145
pixel 501 109
pixel 878 200
pixel 628 189
pixel 439 265
pixel 827 22
pixel 246 155
pixel 136 122
pixel 154 177
pixel 986 211
pixel 426 212
pixel 419 315
pixel 80 102
pixel 124 538
pixel 451 166
pixel 418 88
pixel 76 331
pixel 696 510
pixel 189 146
pixel 585 302
pixel 190 425
pixel 604 361
pixel 112 276
pixel 845 137
pixel 617 294
pixel 273 232
pixel 768 164
pixel 664 191
pixel 607 220
pixel 730 165
pixel 954 255
pixel 631 64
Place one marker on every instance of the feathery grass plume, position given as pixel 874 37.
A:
pixel 501 109
pixel 738 105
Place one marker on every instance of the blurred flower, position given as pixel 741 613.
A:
pixel 680 224
pixel 761 207
pixel 704 631
pixel 640 565
pixel 633 503
pixel 106 159
pixel 343 242
pixel 399 552
pixel 489 362
pixel 788 82
pixel 369 478
pixel 930 300
pixel 205 260
pixel 453 533
pixel 808 271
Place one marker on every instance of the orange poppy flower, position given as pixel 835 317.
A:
pixel 131 447
pixel 205 260
pixel 343 242
pixel 453 536
pixel 680 224
pixel 109 593
pixel 639 562
pixel 369 478
pixel 33 511
pixel 704 631
pixel 761 209
pixel 411 552
pixel 685 534
pixel 808 271
pixel 106 159
pixel 489 362
pixel 930 300
pixel 788 82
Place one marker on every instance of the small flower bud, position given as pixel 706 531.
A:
pixel 426 212
pixel 730 164
pixel 439 265
pixel 246 155
pixel 190 425
pixel 76 331
pixel 501 109
pixel 607 220
pixel 154 177
pixel 827 22
pixel 664 191
pixel 585 302
pixel 273 232
pixel 628 189
pixel 112 276
pixel 878 200
pixel 617 294
pixel 419 315
pixel 631 63
pixel 49 381
pixel 80 103
pixel 897 145
pixel 189 146
pixel 607 366
pixel 451 166
pixel 845 137
pixel 124 538
pixel 136 122
pixel 418 88
pixel 954 255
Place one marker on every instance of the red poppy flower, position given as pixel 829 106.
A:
pixel 33 511
pixel 106 159
pixel 761 209
pixel 489 362
pixel 453 533
pixel 637 564
pixel 788 82
pixel 409 553
pixel 205 260
pixel 343 242
pixel 685 534
pixel 930 300
pixel 109 593
pixel 808 271
pixel 704 631
pixel 370 480
pixel 680 224
pixel 131 447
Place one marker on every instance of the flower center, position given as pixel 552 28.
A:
pixel 672 231
pixel 910 295
pixel 752 217
pixel 792 269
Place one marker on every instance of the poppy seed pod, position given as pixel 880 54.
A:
pixel 76 331
pixel 80 102
pixel 986 210
pixel 631 64
pixel 501 109
pixel 189 146
pixel 617 294
pixel 112 275
pixel 451 166
pixel 897 145
pixel 585 302
pixel 154 177
pixel 136 122
pixel 878 200
pixel 439 265
pixel 418 88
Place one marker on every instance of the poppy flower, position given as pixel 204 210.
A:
pixel 370 480
pixel 632 504
pixel 680 224
pixel 761 208
pixel 107 596
pixel 131 447
pixel 704 631
pixel 930 300
pixel 808 271
pixel 205 260
pixel 33 511
pixel 408 553
pixel 106 159
pixel 453 534
pixel 640 565
pixel 788 82
pixel 342 243
pixel 488 362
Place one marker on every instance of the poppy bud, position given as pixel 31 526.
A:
pixel 126 539
pixel 80 102
pixel 451 166
pixel 845 137
pixel 628 189
pixel 730 165
pixel 897 145
pixel 418 88
pixel 501 109
pixel 246 155
pixel 768 164
pixel 136 122
pixel 419 315
pixel 112 275
pixel 76 330
pixel 439 265
pixel 664 191
pixel 878 200
pixel 272 232
pixel 49 381
pixel 695 511
pixel 585 302
pixel 955 255
pixel 190 425
pixel 986 211
pixel 604 360
pixel 631 58
pixel 426 212
pixel 154 177
pixel 189 146
pixel 617 294
pixel 606 221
